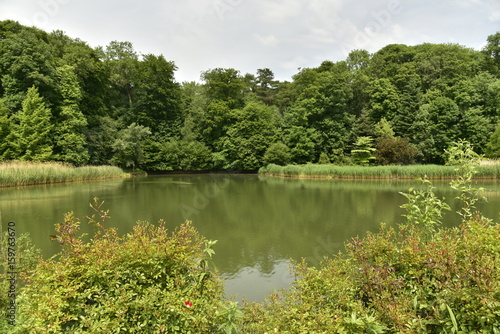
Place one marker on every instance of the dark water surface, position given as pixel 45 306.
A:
pixel 260 223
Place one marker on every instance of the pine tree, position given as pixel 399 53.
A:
pixel 32 135
pixel 70 140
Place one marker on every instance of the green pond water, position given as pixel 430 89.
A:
pixel 260 223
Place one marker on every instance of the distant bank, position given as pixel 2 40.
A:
pixel 484 171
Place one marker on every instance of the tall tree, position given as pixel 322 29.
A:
pixel 225 85
pixel 158 97
pixel 249 137
pixel 385 100
pixel 443 124
pixel 70 141
pixel 128 147
pixel 89 70
pixel 26 60
pixel 492 49
pixel 122 64
pixel 32 134
pixel 266 86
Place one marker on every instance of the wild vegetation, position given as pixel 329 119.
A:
pixel 488 171
pixel 417 277
pixel 22 173
pixel 61 100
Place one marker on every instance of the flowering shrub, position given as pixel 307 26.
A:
pixel 149 281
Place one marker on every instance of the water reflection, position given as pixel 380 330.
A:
pixel 260 223
pixel 256 282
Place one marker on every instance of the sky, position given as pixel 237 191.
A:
pixel 282 35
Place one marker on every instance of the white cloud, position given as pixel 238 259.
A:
pixel 278 34
pixel 269 40
pixel 279 11
pixel 494 11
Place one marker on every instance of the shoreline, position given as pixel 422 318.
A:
pixel 22 173
pixel 367 178
pixel 402 173
pixel 65 181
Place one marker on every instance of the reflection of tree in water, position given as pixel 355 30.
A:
pixel 37 208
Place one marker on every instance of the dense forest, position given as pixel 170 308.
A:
pixel 62 100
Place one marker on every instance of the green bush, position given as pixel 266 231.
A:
pixel 413 278
pixel 416 278
pixel 395 151
pixel 277 153
pixel 148 281
pixel 394 281
pixel 18 256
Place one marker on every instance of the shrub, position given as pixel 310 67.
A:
pixel 394 281
pixel 18 256
pixel 277 153
pixel 149 281
pixel 415 278
pixel 395 151
pixel 363 154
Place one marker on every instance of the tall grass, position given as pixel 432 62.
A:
pixel 20 173
pixel 374 172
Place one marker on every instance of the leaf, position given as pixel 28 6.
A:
pixel 453 319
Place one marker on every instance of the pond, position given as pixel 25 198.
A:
pixel 260 223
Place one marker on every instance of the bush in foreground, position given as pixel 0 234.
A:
pixel 149 281
pixel 417 278
pixel 395 281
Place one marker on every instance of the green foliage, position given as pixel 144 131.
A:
pixel 157 103
pixel 128 146
pixel 384 129
pixel 18 255
pixel 462 156
pixel 324 159
pixel 5 131
pixel 22 173
pixel 302 143
pixel 385 100
pixel 414 279
pixel 70 140
pixel 363 154
pixel 148 281
pixel 493 148
pixel 424 209
pixel 31 134
pixel 225 85
pixel 431 94
pixel 247 140
pixel 395 151
pixel 26 61
pixel 179 155
pixel 277 153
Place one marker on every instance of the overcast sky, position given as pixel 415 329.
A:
pixel 282 35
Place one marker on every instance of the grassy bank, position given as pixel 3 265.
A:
pixel 20 173
pixel 487 171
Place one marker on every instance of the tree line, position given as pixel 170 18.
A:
pixel 62 100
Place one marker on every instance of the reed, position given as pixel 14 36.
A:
pixel 489 171
pixel 22 173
